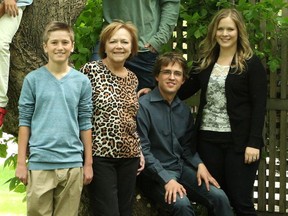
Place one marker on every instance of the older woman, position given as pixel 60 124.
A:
pixel 116 145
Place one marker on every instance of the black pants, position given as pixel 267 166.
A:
pixel 228 168
pixel 112 189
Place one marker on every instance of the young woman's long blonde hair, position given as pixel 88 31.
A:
pixel 209 48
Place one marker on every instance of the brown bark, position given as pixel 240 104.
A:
pixel 26 49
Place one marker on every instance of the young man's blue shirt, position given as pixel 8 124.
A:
pixel 56 111
pixel 166 133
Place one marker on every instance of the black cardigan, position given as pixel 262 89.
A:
pixel 246 95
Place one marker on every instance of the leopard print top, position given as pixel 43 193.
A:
pixel 115 105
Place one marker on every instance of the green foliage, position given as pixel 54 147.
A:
pixel 266 29
pixel 3 145
pixel 15 185
pixel 87 29
pixel 11 203
pixel 3 150
pixel 10 162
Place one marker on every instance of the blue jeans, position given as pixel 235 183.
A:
pixel 142 65
pixel 215 200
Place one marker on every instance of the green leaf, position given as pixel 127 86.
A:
pixel 3 150
pixel 20 188
pixel 14 182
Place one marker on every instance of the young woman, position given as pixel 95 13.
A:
pixel 231 113
pixel 116 145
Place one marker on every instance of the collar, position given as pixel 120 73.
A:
pixel 155 96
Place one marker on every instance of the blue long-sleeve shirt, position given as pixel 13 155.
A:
pixel 56 111
pixel 166 133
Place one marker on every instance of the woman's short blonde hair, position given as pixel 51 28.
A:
pixel 110 30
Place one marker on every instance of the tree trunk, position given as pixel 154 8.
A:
pixel 26 49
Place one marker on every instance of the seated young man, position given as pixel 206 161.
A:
pixel 174 173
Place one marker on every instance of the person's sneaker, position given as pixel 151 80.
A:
pixel 2 114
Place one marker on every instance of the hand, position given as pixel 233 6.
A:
pixel 172 188
pixel 251 155
pixel 22 173
pixel 143 91
pixel 11 7
pixel 141 164
pixel 204 174
pixel 87 174
pixel 150 47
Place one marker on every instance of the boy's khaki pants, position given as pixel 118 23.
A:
pixel 54 192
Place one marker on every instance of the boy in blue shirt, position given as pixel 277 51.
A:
pixel 55 111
